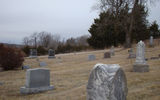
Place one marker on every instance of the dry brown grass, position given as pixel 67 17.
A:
pixel 70 75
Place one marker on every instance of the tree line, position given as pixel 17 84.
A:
pixel 43 41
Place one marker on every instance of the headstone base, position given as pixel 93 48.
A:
pixel 140 68
pixel 51 57
pixel 32 57
pixel 24 90
pixel 131 56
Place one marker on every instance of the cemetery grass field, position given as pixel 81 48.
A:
pixel 69 74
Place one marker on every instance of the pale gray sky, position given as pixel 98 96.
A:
pixel 69 18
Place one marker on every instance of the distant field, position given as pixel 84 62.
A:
pixel 70 72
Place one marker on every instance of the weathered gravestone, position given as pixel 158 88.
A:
pixel 91 57
pixel 25 67
pixel 131 54
pixel 42 64
pixel 1 83
pixel 107 82
pixel 112 51
pixel 107 55
pixel 154 58
pixel 33 53
pixel 140 63
pixel 51 53
pixel 151 41
pixel 37 80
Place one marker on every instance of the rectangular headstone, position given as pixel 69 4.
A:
pixel 107 55
pixel 91 57
pixel 33 53
pixel 51 53
pixel 25 67
pixel 37 80
pixel 42 64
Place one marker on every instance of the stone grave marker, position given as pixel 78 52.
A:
pixel 51 53
pixel 37 80
pixel 107 82
pixel 151 44
pixel 1 83
pixel 42 64
pixel 107 55
pixel 154 58
pixel 112 52
pixel 140 63
pixel 91 57
pixel 131 54
pixel 33 53
pixel 25 67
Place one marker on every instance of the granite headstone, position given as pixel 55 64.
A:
pixel 107 82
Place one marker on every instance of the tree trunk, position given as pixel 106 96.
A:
pixel 128 34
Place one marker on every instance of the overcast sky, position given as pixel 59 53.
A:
pixel 68 18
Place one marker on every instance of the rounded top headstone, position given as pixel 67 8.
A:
pixel 107 82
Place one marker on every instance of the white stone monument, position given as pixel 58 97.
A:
pixel 37 80
pixel 140 63
pixel 151 44
pixel 107 82
pixel 112 51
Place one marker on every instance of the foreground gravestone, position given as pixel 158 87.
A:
pixel 107 82
pixel 37 80
pixel 140 63
pixel 131 54
pixel 151 42
pixel 91 57
pixel 51 53
pixel 42 64
pixel 107 55
pixel 112 51
pixel 25 67
pixel 33 53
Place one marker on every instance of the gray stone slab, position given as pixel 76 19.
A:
pixel 132 55
pixel 42 64
pixel 33 53
pixel 107 55
pixel 140 68
pixel 51 53
pixel 154 58
pixel 91 57
pixel 107 82
pixel 25 67
pixel 1 83
pixel 37 80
